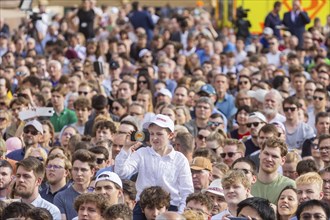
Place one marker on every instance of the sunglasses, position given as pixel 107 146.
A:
pixel 291 109
pixel 81 93
pixel 40 158
pixel 318 98
pixel 2 119
pixel 271 43
pixel 243 82
pixel 201 137
pixel 33 132
pixel 142 82
pixel 100 160
pixel 211 123
pixel 255 124
pixel 230 154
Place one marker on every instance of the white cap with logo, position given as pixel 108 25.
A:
pixel 162 121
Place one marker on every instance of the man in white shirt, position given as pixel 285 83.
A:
pixel 273 56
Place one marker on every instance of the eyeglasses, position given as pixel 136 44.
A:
pixel 243 82
pixel 211 123
pixel 245 171
pixel 201 137
pixel 100 160
pixel 2 119
pixel 291 109
pixel 255 124
pixel 318 98
pixel 142 82
pixel 33 132
pixel 82 93
pixel 325 148
pixel 55 167
pixel 318 216
pixel 20 74
pixel 230 154
pixel 3 104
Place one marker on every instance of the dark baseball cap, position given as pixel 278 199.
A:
pixel 114 65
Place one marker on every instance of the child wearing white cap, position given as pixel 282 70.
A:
pixel 158 165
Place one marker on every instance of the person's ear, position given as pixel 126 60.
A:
pixel 283 160
pixel 171 135
pixel 39 181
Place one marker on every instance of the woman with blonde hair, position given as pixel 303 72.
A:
pixel 38 153
pixel 182 115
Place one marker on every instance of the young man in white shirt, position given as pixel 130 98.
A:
pixel 158 165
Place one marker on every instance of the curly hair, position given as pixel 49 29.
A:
pixel 154 196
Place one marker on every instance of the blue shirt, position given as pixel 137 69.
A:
pixel 227 105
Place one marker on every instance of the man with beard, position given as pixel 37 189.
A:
pixel 215 192
pixel 32 134
pixel 309 92
pixel 255 122
pixel 29 176
pixel 272 106
pixel 6 176
pixel 272 155
pixel 325 174
pixel 57 170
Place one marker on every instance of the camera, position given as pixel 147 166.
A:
pixel 241 12
pixel 35 16
pixel 142 136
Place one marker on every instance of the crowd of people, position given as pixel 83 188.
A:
pixel 120 113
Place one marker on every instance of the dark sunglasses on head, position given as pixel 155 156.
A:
pixel 40 159
pixel 100 160
pixel 33 132
pixel 292 109
pixel 318 98
pixel 230 154
pixel 255 124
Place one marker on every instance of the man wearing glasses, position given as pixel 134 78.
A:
pixel 57 171
pixel 320 98
pixel 324 148
pixel 232 150
pixel 201 171
pixel 296 131
pixel 32 134
pixel 255 122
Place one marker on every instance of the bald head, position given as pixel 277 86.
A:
pixel 170 216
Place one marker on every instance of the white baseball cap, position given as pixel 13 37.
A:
pixel 36 124
pixel 162 121
pixel 143 52
pixel 164 91
pixel 258 115
pixel 110 176
pixel 215 188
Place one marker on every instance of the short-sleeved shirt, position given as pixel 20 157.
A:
pixel 41 203
pixel 296 139
pixel 49 196
pixel 64 201
pixel 66 117
pixel 271 191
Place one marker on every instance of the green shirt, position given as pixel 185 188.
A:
pixel 271 191
pixel 66 117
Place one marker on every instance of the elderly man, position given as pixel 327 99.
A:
pixel 55 72
pixel 272 106
pixel 201 171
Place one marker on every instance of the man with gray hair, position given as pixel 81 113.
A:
pixel 164 72
pixel 272 106
pixel 55 72
pixel 168 215
pixel 203 110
